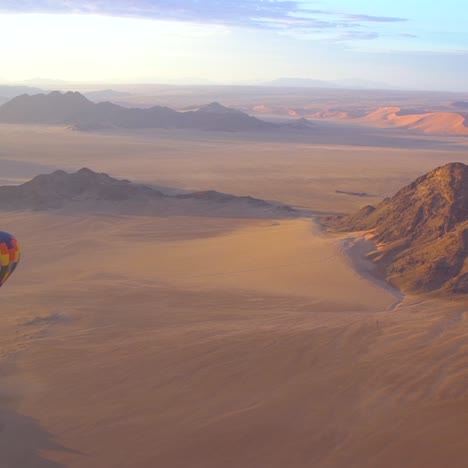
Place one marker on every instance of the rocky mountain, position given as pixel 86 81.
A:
pixel 300 124
pixel 74 109
pixel 214 108
pixel 422 232
pixel 51 191
pixel 88 191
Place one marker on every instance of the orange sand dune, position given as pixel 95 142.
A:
pixel 263 109
pixel 333 114
pixel 273 110
pixel 442 123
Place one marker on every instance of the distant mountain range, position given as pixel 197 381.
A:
pixel 106 95
pixel 88 191
pixel 9 92
pixel 332 84
pixel 76 110
pixel 422 232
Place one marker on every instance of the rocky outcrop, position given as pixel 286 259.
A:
pixel 422 232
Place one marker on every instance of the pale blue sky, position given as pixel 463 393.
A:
pixel 411 43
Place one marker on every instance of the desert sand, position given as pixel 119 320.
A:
pixel 301 172
pixel 213 342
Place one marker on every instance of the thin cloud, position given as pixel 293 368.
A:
pixel 225 11
pixel 375 19
pixel 408 35
pixel 248 13
pixel 358 36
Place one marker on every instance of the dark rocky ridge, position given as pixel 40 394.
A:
pixel 422 231
pixel 50 191
pixel 89 191
pixel 75 110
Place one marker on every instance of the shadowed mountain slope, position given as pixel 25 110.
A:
pixel 422 231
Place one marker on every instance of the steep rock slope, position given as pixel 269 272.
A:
pixel 422 231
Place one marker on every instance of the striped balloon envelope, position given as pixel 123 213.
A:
pixel 9 256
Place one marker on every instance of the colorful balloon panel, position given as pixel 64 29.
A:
pixel 9 256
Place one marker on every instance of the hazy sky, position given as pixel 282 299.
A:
pixel 412 43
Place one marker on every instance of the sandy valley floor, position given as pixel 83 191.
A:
pixel 182 342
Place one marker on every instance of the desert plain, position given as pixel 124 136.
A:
pixel 213 340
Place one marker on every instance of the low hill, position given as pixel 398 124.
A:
pixel 74 109
pixel 422 232
pixel 88 191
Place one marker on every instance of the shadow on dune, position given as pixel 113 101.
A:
pixel 23 443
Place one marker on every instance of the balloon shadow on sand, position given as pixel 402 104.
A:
pixel 25 444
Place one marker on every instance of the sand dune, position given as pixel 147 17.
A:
pixel 431 123
pixel 264 109
pixel 438 123
pixel 332 115
pixel 444 120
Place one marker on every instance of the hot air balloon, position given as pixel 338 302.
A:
pixel 9 256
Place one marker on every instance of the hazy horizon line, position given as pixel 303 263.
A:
pixel 339 83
